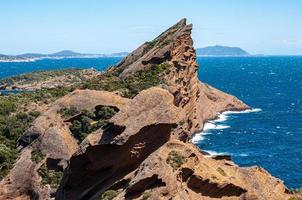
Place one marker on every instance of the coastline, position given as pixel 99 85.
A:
pixel 54 58
pixel 213 125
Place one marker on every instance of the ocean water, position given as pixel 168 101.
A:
pixel 14 68
pixel 269 135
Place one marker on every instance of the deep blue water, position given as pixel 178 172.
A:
pixel 271 138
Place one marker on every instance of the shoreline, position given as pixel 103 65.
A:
pixel 212 125
pixel 53 58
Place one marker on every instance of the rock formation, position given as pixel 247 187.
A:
pixel 144 151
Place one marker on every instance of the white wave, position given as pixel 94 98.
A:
pixel 242 112
pixel 214 153
pixel 212 124
pixel 218 127
pixel 197 138
pixel 208 126
pixel 221 118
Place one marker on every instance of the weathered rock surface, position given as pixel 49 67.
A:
pixel 50 135
pixel 136 161
pixel 199 101
pixel 145 150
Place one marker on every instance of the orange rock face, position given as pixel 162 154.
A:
pixel 145 151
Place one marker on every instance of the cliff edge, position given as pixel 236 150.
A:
pixel 133 140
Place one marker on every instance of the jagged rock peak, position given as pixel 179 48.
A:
pixel 153 52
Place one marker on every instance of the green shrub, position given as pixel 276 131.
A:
pixel 6 106
pixel 81 128
pixel 105 112
pixel 50 177
pixel 221 171
pixel 37 156
pixel 89 122
pixel 39 76
pixel 68 112
pixel 175 159
pixel 149 46
pixel 109 195
pixel 146 195
pixel 7 159
pixel 11 128
pixel 130 86
pixel 14 118
pixel 165 42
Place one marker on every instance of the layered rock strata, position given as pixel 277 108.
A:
pixel 144 152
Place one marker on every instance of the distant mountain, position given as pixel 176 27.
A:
pixel 120 54
pixel 30 55
pixel 3 56
pixel 60 54
pixel 221 51
pixel 66 53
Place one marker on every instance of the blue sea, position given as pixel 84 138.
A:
pixel 14 68
pixel 270 135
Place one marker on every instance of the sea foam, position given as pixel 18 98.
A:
pixel 215 124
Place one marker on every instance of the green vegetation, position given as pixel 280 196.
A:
pixel 221 171
pixel 146 195
pixel 109 195
pixel 12 125
pixel 19 102
pixel 68 112
pixel 7 159
pixel 165 43
pixel 292 198
pixel 44 95
pixel 87 122
pixel 11 128
pixel 175 159
pixel 6 106
pixel 50 177
pixel 132 85
pixel 15 116
pixel 39 76
pixel 149 46
pixel 37 156
pixel 15 119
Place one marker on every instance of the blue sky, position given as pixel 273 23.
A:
pixel 95 26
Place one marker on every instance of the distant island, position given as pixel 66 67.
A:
pixel 29 57
pixel 221 51
pixel 205 51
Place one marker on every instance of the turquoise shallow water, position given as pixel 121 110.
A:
pixel 271 138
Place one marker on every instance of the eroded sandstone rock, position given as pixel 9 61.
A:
pixel 144 152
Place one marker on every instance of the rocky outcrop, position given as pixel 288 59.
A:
pixel 151 158
pixel 50 135
pixel 144 151
pixel 148 120
pixel 199 101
